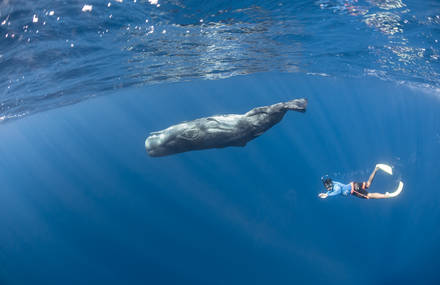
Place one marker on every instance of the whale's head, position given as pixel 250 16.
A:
pixel 172 140
pixel 157 144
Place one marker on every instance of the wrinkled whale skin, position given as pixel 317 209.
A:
pixel 219 131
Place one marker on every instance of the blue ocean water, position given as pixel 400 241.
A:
pixel 82 203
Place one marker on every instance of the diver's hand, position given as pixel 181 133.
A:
pixel 323 195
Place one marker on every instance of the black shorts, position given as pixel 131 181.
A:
pixel 359 189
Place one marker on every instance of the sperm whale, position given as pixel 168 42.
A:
pixel 219 131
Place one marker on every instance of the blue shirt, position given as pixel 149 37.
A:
pixel 340 189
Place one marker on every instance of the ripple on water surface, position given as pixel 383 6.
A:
pixel 55 53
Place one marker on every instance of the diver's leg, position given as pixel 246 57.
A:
pixel 371 177
pixel 377 196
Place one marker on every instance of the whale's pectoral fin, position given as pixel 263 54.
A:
pixel 299 105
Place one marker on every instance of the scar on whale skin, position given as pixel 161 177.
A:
pixel 219 131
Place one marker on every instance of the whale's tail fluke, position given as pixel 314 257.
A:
pixel 299 105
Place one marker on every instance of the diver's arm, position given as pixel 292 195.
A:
pixel 328 194
pixel 336 191
pixel 333 193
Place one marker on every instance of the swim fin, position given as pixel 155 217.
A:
pixel 397 192
pixel 385 168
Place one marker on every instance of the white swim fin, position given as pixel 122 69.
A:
pixel 385 168
pixel 397 192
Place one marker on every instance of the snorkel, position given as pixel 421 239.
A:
pixel 328 183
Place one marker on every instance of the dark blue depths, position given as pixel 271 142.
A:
pixel 82 203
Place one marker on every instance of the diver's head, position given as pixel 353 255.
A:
pixel 328 183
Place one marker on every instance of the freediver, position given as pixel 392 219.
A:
pixel 219 131
pixel 358 189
